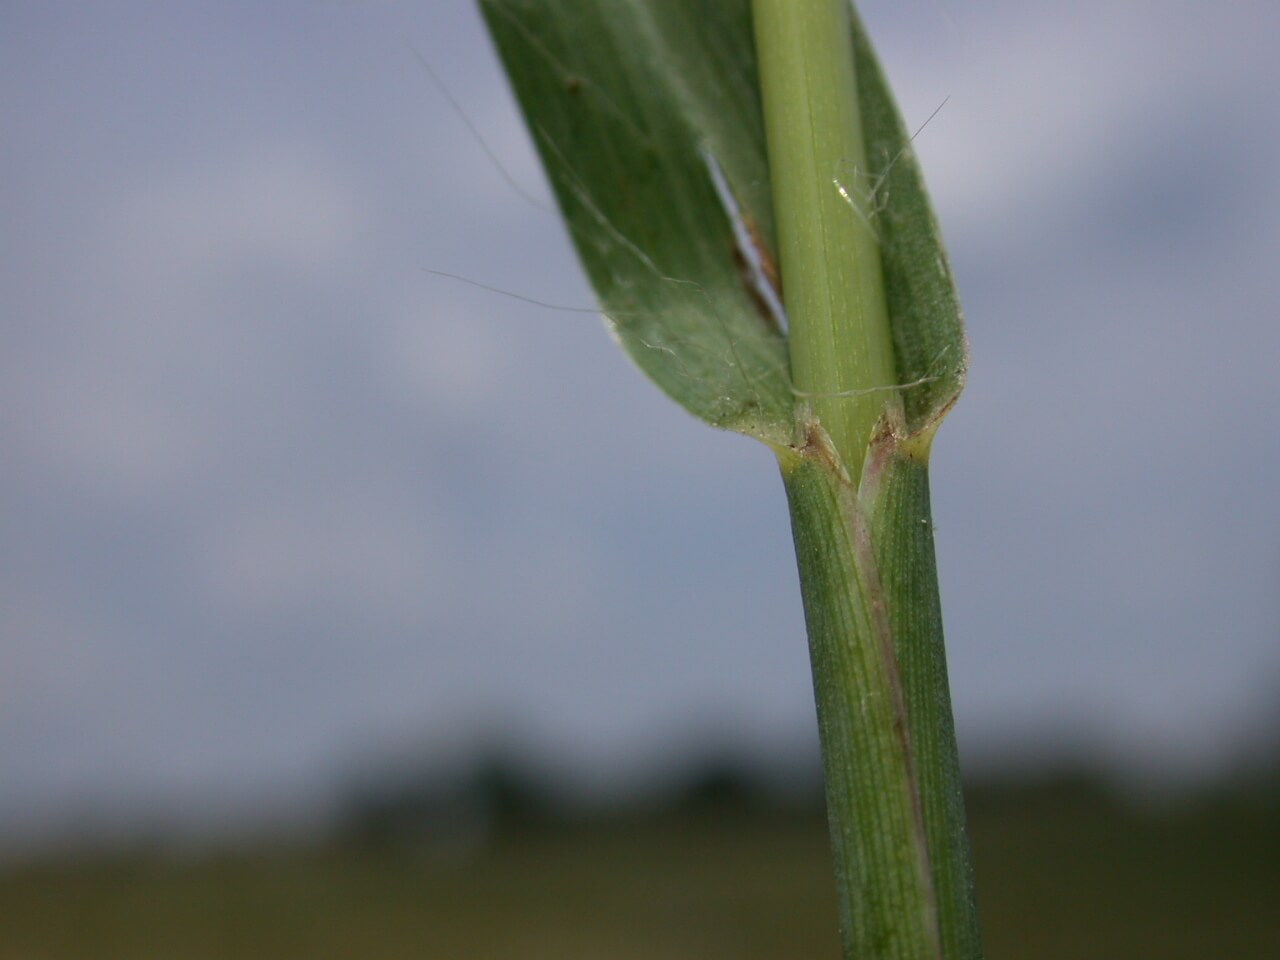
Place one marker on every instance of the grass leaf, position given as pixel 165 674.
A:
pixel 638 110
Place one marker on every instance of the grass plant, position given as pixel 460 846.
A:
pixel 744 197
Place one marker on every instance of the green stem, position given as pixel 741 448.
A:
pixel 897 501
pixel 841 344
pixel 858 491
pixel 884 886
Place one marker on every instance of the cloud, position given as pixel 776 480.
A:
pixel 278 493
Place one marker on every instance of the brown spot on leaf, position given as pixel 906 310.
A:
pixel 753 288
pixel 768 266
pixel 817 447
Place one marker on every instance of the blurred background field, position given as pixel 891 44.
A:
pixel 1066 868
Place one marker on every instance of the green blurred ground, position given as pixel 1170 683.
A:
pixel 1063 871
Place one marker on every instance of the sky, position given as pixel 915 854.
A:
pixel 277 500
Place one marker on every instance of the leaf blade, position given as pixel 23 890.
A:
pixel 625 119
pixel 924 309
